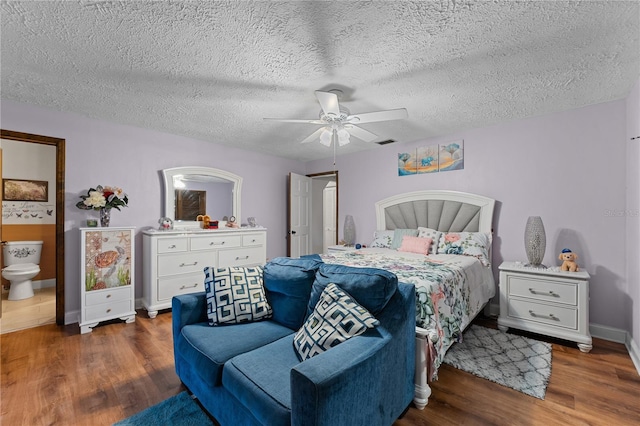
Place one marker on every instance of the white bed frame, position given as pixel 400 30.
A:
pixel 442 210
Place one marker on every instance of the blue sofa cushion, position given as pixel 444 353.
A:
pixel 370 287
pixel 335 319
pixel 288 282
pixel 206 348
pixel 235 295
pixel 261 381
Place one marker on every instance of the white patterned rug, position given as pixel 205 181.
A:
pixel 521 363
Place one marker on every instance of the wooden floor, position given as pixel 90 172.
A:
pixel 52 375
pixel 27 313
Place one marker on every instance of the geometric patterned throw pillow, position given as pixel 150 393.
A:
pixel 336 318
pixel 235 295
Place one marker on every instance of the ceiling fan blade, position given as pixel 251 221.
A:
pixel 370 117
pixel 313 136
pixel 293 120
pixel 329 103
pixel 361 133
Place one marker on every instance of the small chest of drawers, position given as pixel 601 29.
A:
pixel 545 301
pixel 173 261
pixel 107 289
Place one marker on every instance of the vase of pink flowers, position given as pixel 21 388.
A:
pixel 103 198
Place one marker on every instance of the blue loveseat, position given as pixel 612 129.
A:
pixel 249 373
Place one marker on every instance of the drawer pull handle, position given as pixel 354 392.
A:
pixel 108 310
pixel 172 246
pixel 213 243
pixel 549 293
pixel 253 241
pixel 245 258
pixel 108 296
pixel 550 316
pixel 189 286
pixel 188 264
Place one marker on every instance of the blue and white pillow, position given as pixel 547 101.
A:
pixel 235 295
pixel 398 235
pixel 336 318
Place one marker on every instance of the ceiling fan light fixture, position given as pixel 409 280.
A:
pixel 343 137
pixel 325 137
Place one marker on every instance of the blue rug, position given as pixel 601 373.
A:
pixel 179 410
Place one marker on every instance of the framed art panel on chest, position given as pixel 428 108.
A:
pixel 107 289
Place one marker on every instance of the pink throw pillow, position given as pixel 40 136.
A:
pixel 418 245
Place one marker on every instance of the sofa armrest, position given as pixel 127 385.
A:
pixel 368 379
pixel 188 309
pixel 334 385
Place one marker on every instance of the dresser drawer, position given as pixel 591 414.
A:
pixel 253 240
pixel 169 287
pixel 217 242
pixel 559 316
pixel 108 310
pixel 242 257
pixel 540 289
pixel 172 245
pixel 107 295
pixel 186 263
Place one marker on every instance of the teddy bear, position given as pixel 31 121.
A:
pixel 568 261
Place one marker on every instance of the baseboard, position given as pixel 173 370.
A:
pixel 40 284
pixel 634 351
pixel 71 317
pixel 608 333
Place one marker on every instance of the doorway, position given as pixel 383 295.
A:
pixel 312 213
pixel 58 252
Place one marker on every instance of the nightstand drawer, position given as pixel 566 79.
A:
pixel 548 314
pixel 541 289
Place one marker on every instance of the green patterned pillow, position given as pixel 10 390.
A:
pixel 398 234
pixel 235 295
pixel 336 318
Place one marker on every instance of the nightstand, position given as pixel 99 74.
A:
pixel 339 248
pixel 545 301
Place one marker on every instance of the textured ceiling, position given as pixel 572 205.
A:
pixel 213 70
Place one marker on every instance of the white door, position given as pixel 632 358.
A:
pixel 299 238
pixel 329 220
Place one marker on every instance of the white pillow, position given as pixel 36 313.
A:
pixel 474 244
pixel 382 239
pixel 430 233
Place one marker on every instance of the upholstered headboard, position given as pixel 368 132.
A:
pixel 448 211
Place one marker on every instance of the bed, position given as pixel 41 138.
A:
pixel 454 281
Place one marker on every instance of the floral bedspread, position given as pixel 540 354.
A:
pixel 443 305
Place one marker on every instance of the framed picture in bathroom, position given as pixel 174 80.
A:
pixel 25 190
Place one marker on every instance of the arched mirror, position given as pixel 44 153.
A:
pixel 190 191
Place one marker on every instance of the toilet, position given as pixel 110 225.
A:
pixel 21 264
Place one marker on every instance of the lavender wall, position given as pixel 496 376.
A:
pixel 568 168
pixel 633 214
pixel 103 153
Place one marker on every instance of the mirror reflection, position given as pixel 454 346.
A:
pixel 193 191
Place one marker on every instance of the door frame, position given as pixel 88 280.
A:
pixel 60 173
pixel 312 176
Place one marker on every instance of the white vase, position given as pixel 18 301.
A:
pixel 535 242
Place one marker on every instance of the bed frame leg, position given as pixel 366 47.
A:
pixel 421 391
pixel 421 396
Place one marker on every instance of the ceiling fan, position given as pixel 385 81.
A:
pixel 339 124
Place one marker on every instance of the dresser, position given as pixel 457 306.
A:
pixel 107 289
pixel 545 301
pixel 174 261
